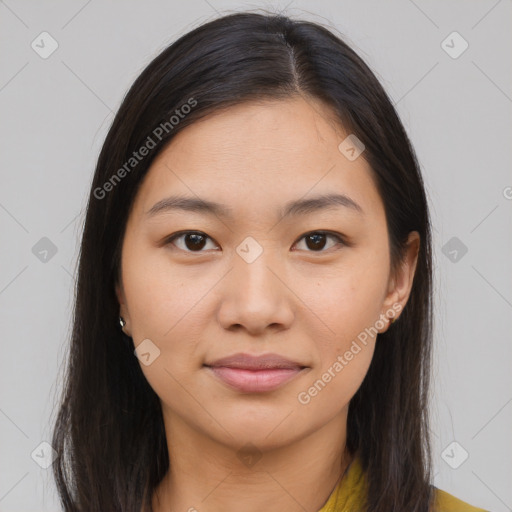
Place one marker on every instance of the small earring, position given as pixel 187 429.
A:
pixel 392 320
pixel 122 321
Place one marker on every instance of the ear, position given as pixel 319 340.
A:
pixel 123 309
pixel 400 284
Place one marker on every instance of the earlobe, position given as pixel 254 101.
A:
pixel 123 313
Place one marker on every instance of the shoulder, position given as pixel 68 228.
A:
pixel 445 502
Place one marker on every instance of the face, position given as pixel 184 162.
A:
pixel 310 284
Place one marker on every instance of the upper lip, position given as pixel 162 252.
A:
pixel 261 362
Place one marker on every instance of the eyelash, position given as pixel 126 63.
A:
pixel 341 241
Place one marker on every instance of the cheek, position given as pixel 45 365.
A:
pixel 162 298
pixel 349 307
pixel 348 301
pixel 332 387
pixel 344 352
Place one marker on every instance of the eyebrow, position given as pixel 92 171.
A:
pixel 292 208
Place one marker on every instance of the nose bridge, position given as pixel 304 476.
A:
pixel 255 296
pixel 255 265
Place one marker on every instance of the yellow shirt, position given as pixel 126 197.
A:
pixel 349 495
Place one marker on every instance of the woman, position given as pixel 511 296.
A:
pixel 253 319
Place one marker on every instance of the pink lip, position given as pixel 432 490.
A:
pixel 255 374
pixel 254 381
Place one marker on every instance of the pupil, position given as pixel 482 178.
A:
pixel 317 241
pixel 196 244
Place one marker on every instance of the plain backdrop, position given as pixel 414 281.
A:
pixel 455 102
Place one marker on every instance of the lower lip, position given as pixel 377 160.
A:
pixel 254 381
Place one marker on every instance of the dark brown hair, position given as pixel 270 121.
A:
pixel 109 431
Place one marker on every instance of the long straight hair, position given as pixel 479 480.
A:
pixel 109 431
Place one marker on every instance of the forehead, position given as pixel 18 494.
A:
pixel 259 154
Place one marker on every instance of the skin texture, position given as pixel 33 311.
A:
pixel 305 302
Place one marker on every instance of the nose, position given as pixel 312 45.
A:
pixel 256 296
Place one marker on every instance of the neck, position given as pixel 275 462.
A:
pixel 206 475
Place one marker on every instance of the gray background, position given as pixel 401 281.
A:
pixel 56 111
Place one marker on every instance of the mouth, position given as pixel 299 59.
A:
pixel 254 381
pixel 255 374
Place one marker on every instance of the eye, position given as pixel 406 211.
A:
pixel 195 241
pixel 316 240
